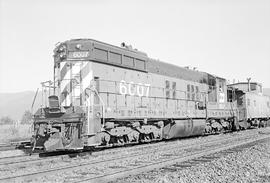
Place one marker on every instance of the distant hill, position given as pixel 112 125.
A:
pixel 266 91
pixel 14 104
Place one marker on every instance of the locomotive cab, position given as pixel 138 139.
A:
pixel 70 118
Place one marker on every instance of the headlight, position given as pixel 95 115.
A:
pixel 62 55
pixel 78 46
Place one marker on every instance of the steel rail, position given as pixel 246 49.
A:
pixel 5 160
pixel 155 165
pixel 64 168
pixel 35 158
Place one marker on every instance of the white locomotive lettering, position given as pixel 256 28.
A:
pixel 130 86
pixel 122 87
pixel 140 89
pixel 221 97
pixel 147 89
pixel 80 54
pixel 134 89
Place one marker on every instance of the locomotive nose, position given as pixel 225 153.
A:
pixel 54 142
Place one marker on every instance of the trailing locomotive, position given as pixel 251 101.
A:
pixel 104 95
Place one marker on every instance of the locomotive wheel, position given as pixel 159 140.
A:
pixel 261 124
pixel 120 140
pixel 141 137
pixel 151 135
pixel 113 140
pixel 126 140
pixel 134 136
pixel 105 138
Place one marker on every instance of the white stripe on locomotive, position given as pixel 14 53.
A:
pixel 76 82
pixel 79 81
pixel 64 82
pixel 86 81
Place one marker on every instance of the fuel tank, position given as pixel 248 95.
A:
pixel 184 128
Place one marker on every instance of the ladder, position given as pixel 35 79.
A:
pixel 76 84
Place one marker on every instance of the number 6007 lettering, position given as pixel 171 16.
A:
pixel 134 89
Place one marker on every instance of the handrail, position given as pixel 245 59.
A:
pixel 103 105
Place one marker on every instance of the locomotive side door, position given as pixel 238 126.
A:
pixel 241 105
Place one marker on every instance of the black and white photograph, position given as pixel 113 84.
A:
pixel 135 91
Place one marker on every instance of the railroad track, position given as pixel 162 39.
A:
pixel 207 157
pixel 19 157
pixel 170 160
pixel 10 145
pixel 25 159
pixel 9 150
pixel 135 162
pixel 193 159
pixel 4 147
pixel 22 158
pixel 28 160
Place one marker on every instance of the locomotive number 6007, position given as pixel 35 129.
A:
pixel 134 89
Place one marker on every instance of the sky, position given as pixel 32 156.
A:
pixel 227 38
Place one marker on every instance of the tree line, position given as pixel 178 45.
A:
pixel 25 119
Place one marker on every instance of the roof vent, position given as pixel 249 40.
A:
pixel 126 46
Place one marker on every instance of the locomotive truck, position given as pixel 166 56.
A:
pixel 105 95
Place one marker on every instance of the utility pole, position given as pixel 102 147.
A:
pixel 248 80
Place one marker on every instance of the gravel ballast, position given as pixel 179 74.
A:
pixel 111 161
pixel 249 165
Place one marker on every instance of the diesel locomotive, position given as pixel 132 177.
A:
pixel 105 95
